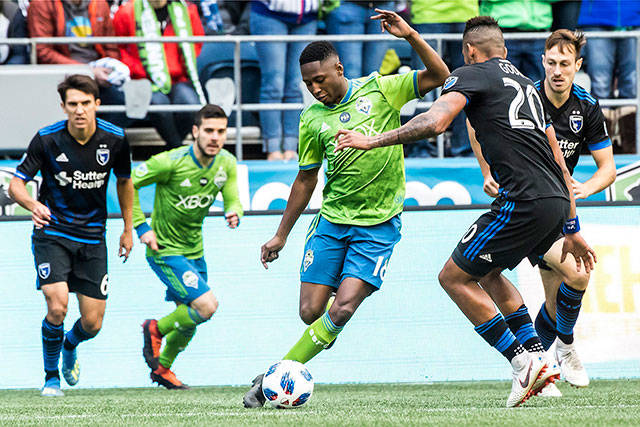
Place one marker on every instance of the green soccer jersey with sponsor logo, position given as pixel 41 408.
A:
pixel 362 187
pixel 185 190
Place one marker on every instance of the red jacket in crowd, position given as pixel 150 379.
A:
pixel 45 18
pixel 125 25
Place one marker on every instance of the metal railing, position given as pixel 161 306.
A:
pixel 239 107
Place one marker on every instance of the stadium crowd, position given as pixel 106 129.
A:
pixel 178 71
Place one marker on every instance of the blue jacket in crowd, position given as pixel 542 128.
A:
pixel 609 13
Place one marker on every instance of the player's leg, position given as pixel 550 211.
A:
pixel 568 300
pixel 57 297
pixel 313 301
pixel 186 282
pixel 53 259
pixel 89 280
pixel 546 319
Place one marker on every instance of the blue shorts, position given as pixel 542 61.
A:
pixel 186 279
pixel 333 252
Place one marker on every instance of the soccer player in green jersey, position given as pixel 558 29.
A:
pixel 187 181
pixel 349 243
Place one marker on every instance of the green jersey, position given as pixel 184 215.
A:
pixel 185 190
pixel 362 187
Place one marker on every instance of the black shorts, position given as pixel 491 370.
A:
pixel 82 266
pixel 510 232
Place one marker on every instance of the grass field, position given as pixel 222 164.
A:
pixel 603 403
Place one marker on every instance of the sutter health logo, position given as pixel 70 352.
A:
pixel 81 180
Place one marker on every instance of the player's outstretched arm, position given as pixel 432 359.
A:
pixel 424 125
pixel 601 179
pixel 490 186
pixel 573 241
pixel 301 192
pixel 124 188
pixel 436 70
pixel 40 214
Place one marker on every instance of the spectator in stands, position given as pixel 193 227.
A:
pixel 280 71
pixel 446 16
pixel 611 58
pixel 170 67
pixel 12 25
pixel 354 17
pixel 565 14
pixel 80 18
pixel 515 16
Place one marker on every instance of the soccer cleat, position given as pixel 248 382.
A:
pixel 254 398
pixel 550 374
pixel 166 378
pixel 550 390
pixel 70 366
pixel 152 343
pixel 526 371
pixel 570 365
pixel 52 388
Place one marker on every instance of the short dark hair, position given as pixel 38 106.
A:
pixel 484 33
pixel 479 21
pixel 80 82
pixel 209 111
pixel 317 51
pixel 565 38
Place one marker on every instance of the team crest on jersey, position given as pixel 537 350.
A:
pixel 102 156
pixel 190 279
pixel 220 178
pixel 363 105
pixel 575 123
pixel 345 117
pixel 44 270
pixel 308 259
pixel 142 170
pixel 451 80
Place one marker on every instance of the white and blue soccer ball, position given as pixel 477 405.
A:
pixel 287 384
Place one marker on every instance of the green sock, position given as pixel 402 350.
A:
pixel 315 339
pixel 182 317
pixel 175 341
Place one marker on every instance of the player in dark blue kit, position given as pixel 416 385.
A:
pixel 578 122
pixel 75 157
pixel 507 115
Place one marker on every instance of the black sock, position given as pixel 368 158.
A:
pixel 522 327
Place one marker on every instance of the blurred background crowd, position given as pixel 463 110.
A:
pixel 270 73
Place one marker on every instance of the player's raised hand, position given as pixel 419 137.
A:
pixel 349 138
pixel 126 243
pixel 490 186
pixel 149 239
pixel 393 23
pixel 232 219
pixel 579 190
pixel 575 244
pixel 269 251
pixel 40 215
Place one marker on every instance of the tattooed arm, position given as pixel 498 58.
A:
pixel 425 125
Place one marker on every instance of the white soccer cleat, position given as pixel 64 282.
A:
pixel 549 376
pixel 527 368
pixel 52 388
pixel 550 390
pixel 570 365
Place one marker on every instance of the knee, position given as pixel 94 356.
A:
pixel 309 313
pixel 56 313
pixel 578 280
pixel 92 323
pixel 207 308
pixel 341 313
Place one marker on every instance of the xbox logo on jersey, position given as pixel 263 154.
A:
pixel 195 201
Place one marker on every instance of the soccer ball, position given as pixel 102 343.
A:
pixel 287 384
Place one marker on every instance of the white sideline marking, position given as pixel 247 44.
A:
pixel 278 412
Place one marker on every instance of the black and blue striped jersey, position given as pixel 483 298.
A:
pixel 508 117
pixel 578 122
pixel 75 177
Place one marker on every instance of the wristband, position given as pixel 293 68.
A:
pixel 142 228
pixel 571 226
